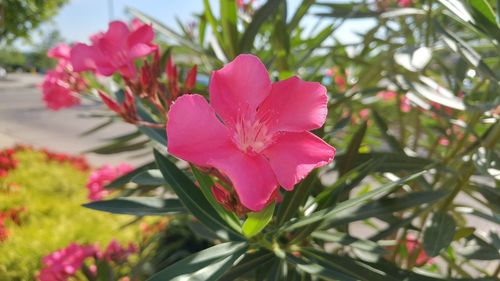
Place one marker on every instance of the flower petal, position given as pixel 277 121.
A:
pixel 295 105
pixel 251 175
pixel 140 50
pixel 239 87
pixel 141 35
pixel 194 133
pixel 294 155
pixel 82 57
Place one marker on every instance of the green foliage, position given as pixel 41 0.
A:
pixel 53 194
pixel 422 163
pixel 19 17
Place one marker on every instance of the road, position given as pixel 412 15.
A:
pixel 25 119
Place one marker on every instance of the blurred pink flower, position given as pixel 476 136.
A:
pixel 115 50
pixel 263 140
pixel 61 85
pixel 413 245
pixel 63 264
pixel 61 52
pixel 387 95
pixel 57 90
pixel 103 176
pixel 115 252
pixel 405 3
pixel 405 104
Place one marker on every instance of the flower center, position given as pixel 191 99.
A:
pixel 251 135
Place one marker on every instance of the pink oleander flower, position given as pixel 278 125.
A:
pixel 405 3
pixel 103 176
pixel 405 105
pixel 61 52
pixel 57 92
pixel 255 133
pixel 115 50
pixel 63 264
pixel 413 245
pixel 61 85
pixel 115 252
pixel 387 95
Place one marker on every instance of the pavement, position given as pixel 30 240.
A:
pixel 24 119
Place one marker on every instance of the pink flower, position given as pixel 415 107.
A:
pixel 63 264
pixel 61 85
pixel 115 252
pixel 61 52
pixel 415 248
pixel 263 139
pixel 114 50
pixel 405 3
pixel 387 95
pixel 57 90
pixel 103 176
pixel 405 105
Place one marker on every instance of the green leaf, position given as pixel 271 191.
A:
pixel 209 264
pixel 299 13
pixel 352 151
pixel 349 266
pixel 330 213
pixel 193 198
pixel 485 17
pixel 138 206
pixel 98 127
pixel 206 184
pixel 155 134
pixel 439 234
pixel 347 240
pixel 387 206
pixel 265 12
pixel 249 263
pixel 121 181
pixel 256 222
pixel 316 269
pixel 229 17
pixel 293 200
pixel 473 58
pixel 149 178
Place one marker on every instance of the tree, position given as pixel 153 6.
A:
pixel 19 17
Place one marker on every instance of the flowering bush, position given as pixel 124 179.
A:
pixel 103 176
pixel 382 172
pixel 40 212
pixel 68 262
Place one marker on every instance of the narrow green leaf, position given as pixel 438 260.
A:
pixel 229 17
pixel 316 269
pixel 485 17
pixel 138 206
pixel 293 200
pixel 121 181
pixel 193 198
pixel 299 13
pixel 439 234
pixel 347 240
pixel 256 222
pixel 250 263
pixel 207 265
pixel 386 206
pixel 149 178
pixel 349 266
pixel 263 14
pixel 330 213
pixel 98 127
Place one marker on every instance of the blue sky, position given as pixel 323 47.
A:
pixel 81 18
